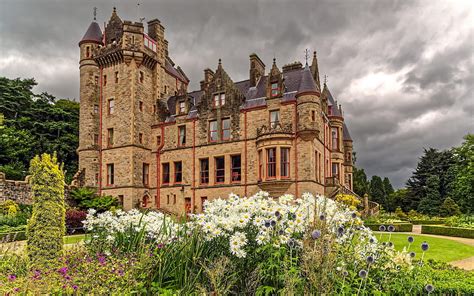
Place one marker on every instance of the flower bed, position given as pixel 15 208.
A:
pixel 448 231
pixel 398 227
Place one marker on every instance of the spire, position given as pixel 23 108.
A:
pixel 274 72
pixel 315 70
pixel 307 82
pixel 93 34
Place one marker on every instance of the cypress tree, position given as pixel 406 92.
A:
pixel 46 226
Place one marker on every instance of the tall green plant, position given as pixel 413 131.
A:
pixel 47 224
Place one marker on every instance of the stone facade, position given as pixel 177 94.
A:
pixel 148 141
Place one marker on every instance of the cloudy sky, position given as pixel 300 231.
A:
pixel 403 70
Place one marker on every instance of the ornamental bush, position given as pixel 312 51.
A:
pixel 46 226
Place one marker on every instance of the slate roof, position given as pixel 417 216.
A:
pixel 346 135
pixel 331 102
pixel 169 66
pixel 93 34
pixel 307 81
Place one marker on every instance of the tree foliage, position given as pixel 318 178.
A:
pixel 46 227
pixel 34 124
pixel 463 185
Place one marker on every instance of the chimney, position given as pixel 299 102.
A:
pixel 257 69
pixel 154 29
pixel 208 75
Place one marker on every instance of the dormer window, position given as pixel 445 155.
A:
pixel 181 107
pixel 275 89
pixel 219 100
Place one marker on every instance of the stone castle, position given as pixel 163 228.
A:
pixel 149 141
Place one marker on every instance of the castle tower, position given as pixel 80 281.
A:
pixel 89 136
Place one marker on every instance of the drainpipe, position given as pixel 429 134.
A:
pixel 245 151
pixel 100 130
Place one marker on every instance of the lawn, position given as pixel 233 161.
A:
pixel 441 249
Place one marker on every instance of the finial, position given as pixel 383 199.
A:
pixel 325 79
pixel 314 54
pixel 95 13
pixel 274 61
pixel 306 56
pixel 220 62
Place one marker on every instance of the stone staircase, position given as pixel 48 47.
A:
pixel 334 187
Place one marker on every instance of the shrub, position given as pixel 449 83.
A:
pixel 400 214
pixel 349 200
pixel 449 208
pixel 465 221
pixel 448 231
pixel 74 219
pixel 46 226
pixel 86 198
pixel 9 208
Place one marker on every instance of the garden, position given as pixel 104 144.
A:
pixel 257 245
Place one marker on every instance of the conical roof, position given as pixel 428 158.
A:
pixel 93 34
pixel 346 134
pixel 307 82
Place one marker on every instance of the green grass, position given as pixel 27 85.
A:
pixel 444 250
pixel 73 239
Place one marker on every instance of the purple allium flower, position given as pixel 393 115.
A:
pixel 101 260
pixel 322 217
pixel 411 239
pixel 370 259
pixel 17 289
pixel 391 228
pixel 363 273
pixel 160 246
pixel 273 223
pixel 390 244
pixel 75 287
pixel 316 234
pixel 267 224
pixel 340 230
pixel 382 228
pixel 354 215
pixel 63 270
pixel 292 216
pixel 277 214
pixel 429 288
pixel 371 240
pixel 11 277
pixel 120 272
pixel 412 254
pixel 281 232
pixel 67 278
pixel 425 246
pixel 345 273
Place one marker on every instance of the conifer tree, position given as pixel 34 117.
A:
pixel 431 202
pixel 46 226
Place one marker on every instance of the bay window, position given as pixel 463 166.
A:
pixel 285 162
pixel 271 162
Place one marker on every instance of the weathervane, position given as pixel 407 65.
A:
pixel 140 19
pixel 95 13
pixel 306 55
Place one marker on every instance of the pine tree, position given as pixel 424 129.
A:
pixel 432 200
pixel 463 185
pixel 377 192
pixel 361 185
pixel 388 189
pixel 449 208
pixel 46 226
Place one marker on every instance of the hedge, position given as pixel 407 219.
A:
pixel 426 222
pixel 6 237
pixel 399 227
pixel 447 231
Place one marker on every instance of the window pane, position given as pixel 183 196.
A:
pixel 182 135
pixel 213 131
pixel 274 118
pixel 271 162
pixel 204 171
pixel 222 99
pixel 220 170
pixel 216 100
pixel 335 138
pixel 178 174
pixel 166 173
pixel 226 129
pixel 285 162
pixel 236 168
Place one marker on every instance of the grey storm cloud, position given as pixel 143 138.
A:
pixel 402 70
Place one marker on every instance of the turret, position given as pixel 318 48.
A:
pixel 308 105
pixel 89 100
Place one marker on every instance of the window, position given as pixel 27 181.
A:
pixel 96 139
pixel 225 129
pixel 213 131
pixel 220 169
pixel 178 172
pixel 110 174
pixel 142 77
pixel 105 80
pixel 203 201
pixel 146 174
pixel 335 138
pixel 274 118
pixel 285 162
pixel 166 173
pixel 140 138
pixel 182 107
pixel 271 162
pixel 187 205
pixel 88 51
pixel 96 109
pixel 140 106
pixel 335 169
pixel 275 89
pixel 111 106
pixel 174 199
pixel 181 135
pixel 236 168
pixel 204 171
pixel 116 77
pixel 219 100
pixel 260 165
pixel 110 137
pixel 348 157
pixel 313 115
